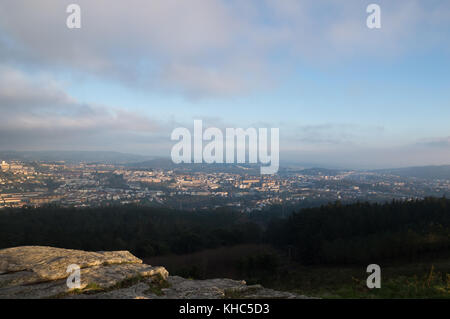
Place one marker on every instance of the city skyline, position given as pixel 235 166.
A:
pixel 193 188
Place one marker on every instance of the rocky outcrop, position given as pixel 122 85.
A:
pixel 41 272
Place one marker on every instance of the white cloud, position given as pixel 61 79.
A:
pixel 207 47
pixel 35 108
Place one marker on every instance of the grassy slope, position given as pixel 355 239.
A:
pixel 427 279
pixel 430 279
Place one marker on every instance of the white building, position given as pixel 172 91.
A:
pixel 4 166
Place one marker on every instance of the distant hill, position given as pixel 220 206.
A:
pixel 285 167
pixel 167 163
pixel 73 156
pixel 320 171
pixel 423 172
pixel 155 163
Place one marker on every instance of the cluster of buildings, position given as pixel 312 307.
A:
pixel 81 185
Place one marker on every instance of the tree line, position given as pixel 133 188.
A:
pixel 329 234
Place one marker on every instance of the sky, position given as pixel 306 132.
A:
pixel 342 94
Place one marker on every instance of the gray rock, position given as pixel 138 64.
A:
pixel 51 263
pixel 40 290
pixel 111 275
pixel 32 272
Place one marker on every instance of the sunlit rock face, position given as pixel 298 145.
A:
pixel 42 272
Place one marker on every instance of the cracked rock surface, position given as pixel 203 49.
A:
pixel 41 272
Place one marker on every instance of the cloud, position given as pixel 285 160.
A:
pixel 360 147
pixel 204 48
pixel 20 92
pixel 364 157
pixel 36 110
pixel 439 142
pixel 332 135
pixel 163 45
pixel 196 49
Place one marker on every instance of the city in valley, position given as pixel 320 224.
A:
pixel 241 188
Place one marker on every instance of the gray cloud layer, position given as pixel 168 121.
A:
pixel 208 47
pixel 37 112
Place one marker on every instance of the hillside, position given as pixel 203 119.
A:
pixel 422 172
pixel 73 156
